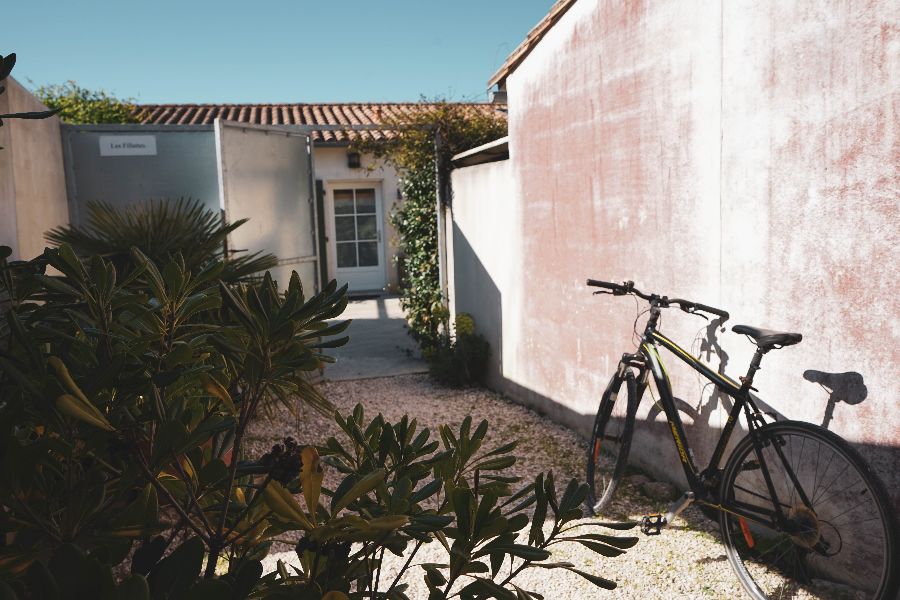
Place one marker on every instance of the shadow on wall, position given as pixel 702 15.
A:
pixel 653 449
pixel 477 294
pixel 849 388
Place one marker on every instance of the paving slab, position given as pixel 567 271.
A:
pixel 379 343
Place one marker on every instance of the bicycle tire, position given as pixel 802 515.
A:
pixel 772 564
pixel 611 444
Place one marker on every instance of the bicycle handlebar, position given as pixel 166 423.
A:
pixel 689 306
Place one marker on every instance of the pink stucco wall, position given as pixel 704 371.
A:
pixel 741 154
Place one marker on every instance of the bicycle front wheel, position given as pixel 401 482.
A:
pixel 838 538
pixel 610 441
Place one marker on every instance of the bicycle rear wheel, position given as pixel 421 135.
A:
pixel 610 441
pixel 839 539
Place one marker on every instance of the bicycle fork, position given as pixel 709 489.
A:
pixel 653 524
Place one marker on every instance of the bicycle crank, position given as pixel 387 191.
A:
pixel 653 524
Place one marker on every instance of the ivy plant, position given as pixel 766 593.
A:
pixel 422 144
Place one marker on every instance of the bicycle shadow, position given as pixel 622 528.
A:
pixel 848 387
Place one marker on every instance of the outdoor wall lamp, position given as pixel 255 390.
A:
pixel 353 160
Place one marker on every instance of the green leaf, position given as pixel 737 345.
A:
pixel 536 534
pixel 618 542
pixel 147 555
pixel 178 571
pixel 361 487
pixel 519 551
pixel 247 576
pixel 496 464
pixel 212 472
pixel 426 491
pixel 603 549
pixel 595 579
pixel 462 500
pixel 433 576
pixel 489 587
pixel 517 522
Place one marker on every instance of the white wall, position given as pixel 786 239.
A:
pixel 740 154
pixel 482 240
pixel 32 179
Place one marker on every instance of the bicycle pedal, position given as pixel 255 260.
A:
pixel 652 524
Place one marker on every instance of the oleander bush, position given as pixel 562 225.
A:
pixel 127 384
pixel 125 404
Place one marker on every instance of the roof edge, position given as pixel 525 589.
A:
pixel 531 40
pixel 491 152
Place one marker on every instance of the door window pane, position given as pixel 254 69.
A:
pixel 346 255
pixel 344 229
pixel 365 228
pixel 368 254
pixel 343 202
pixel 365 201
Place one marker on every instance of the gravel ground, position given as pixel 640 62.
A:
pixel 686 561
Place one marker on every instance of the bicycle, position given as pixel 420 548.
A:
pixel 788 514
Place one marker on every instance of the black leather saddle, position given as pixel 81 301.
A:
pixel 767 339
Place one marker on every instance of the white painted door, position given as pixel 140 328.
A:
pixel 356 242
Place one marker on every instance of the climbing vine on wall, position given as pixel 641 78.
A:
pixel 419 160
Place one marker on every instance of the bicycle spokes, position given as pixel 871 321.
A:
pixel 828 531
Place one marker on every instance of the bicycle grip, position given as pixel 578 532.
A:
pixel 714 311
pixel 604 284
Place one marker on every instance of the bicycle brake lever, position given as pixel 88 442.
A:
pixel 610 293
pixel 694 312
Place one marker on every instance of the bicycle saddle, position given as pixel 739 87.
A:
pixel 767 339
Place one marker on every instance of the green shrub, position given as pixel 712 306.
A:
pixel 461 360
pixel 402 490
pixel 128 383
pixel 86 107
pixel 125 405
pixel 160 229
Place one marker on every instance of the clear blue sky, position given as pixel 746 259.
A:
pixel 279 51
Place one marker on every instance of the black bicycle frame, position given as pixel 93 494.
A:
pixel 743 401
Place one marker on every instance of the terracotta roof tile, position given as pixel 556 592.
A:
pixel 343 120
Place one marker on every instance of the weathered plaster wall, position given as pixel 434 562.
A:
pixel 741 154
pixel 32 179
pixel 331 167
pixel 482 244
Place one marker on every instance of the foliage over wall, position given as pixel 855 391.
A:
pixel 421 162
pixel 82 106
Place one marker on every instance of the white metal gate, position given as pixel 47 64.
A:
pixel 266 175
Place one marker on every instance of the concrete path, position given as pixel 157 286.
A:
pixel 379 343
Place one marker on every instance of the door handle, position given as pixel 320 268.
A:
pixel 379 236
